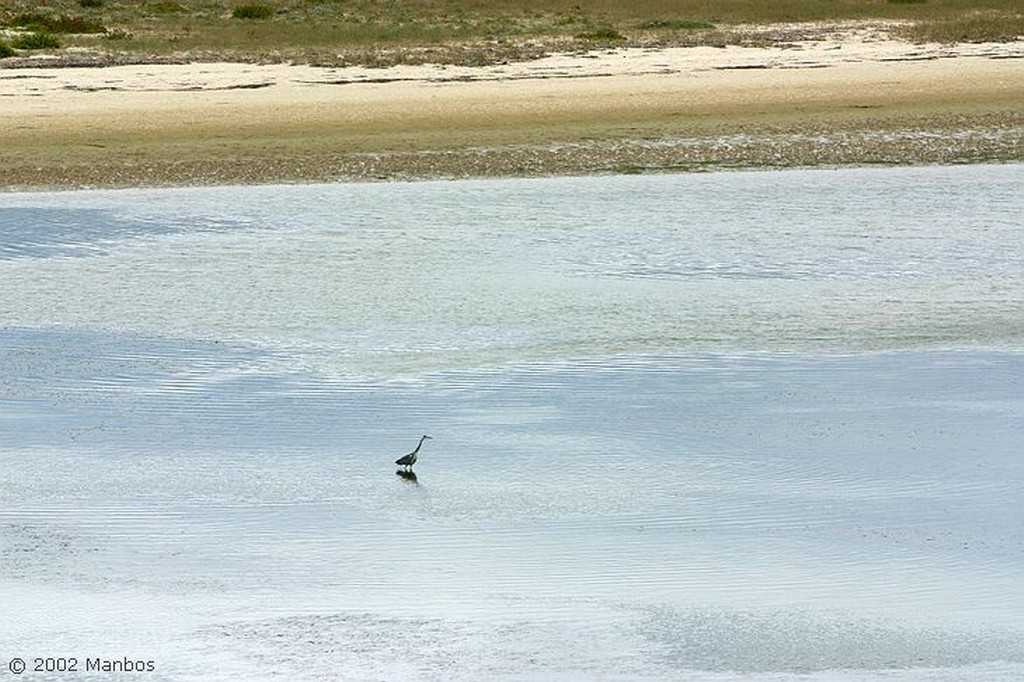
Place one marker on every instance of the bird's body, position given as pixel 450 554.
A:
pixel 408 460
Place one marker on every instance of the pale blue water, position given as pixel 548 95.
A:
pixel 725 426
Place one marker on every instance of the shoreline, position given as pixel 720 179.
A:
pixel 848 99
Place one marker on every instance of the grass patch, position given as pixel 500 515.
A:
pixel 44 23
pixel 166 7
pixel 973 29
pixel 6 50
pixel 393 31
pixel 37 41
pixel 602 34
pixel 253 12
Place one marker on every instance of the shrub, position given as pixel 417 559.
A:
pixel 5 50
pixel 66 24
pixel 90 4
pixel 166 7
pixel 37 41
pixel 44 23
pixel 28 20
pixel 603 34
pixel 253 12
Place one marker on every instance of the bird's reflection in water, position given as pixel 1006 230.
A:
pixel 407 475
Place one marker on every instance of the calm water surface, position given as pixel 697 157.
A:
pixel 709 427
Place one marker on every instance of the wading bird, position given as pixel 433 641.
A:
pixel 408 460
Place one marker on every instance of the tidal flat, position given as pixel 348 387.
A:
pixel 757 426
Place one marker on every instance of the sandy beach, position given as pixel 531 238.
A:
pixel 850 97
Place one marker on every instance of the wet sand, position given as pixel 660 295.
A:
pixel 845 99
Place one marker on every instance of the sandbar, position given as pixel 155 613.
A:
pixel 847 98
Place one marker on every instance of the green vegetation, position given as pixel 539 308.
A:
pixel 253 12
pixel 166 7
pixel 6 50
pixel 55 23
pixel 977 28
pixel 603 34
pixel 36 41
pixel 475 31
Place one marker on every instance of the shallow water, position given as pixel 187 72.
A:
pixel 730 426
